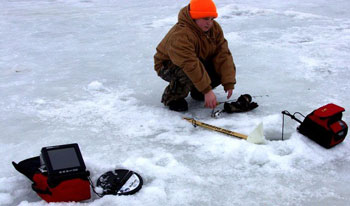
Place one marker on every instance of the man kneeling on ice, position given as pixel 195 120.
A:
pixel 194 58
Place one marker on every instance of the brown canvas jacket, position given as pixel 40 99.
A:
pixel 185 44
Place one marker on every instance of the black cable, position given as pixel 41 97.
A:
pixel 285 112
pixel 93 188
pixel 299 114
pixel 283 123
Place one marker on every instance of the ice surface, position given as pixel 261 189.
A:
pixel 82 71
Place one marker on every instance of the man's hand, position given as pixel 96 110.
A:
pixel 210 99
pixel 229 93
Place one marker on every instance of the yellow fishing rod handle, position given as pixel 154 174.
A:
pixel 218 129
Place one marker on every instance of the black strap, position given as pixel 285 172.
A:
pixel 28 167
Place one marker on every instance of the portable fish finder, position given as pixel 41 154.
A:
pixel 324 125
pixel 62 160
pixel 59 174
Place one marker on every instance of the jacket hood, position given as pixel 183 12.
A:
pixel 185 18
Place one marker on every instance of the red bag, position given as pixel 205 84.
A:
pixel 65 189
pixel 75 189
pixel 324 125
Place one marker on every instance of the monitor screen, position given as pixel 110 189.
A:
pixel 63 158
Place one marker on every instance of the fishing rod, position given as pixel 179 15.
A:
pixel 256 136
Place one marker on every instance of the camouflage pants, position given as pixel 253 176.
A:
pixel 179 83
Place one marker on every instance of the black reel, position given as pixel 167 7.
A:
pixel 120 182
pixel 242 104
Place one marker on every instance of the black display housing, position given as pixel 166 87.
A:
pixel 62 160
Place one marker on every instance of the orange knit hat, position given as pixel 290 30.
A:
pixel 202 8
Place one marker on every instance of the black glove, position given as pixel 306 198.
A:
pixel 243 104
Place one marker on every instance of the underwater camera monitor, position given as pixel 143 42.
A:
pixel 62 159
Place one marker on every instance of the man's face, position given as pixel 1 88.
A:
pixel 205 23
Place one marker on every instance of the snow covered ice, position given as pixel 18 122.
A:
pixel 81 71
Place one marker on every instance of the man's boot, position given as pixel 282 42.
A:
pixel 179 105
